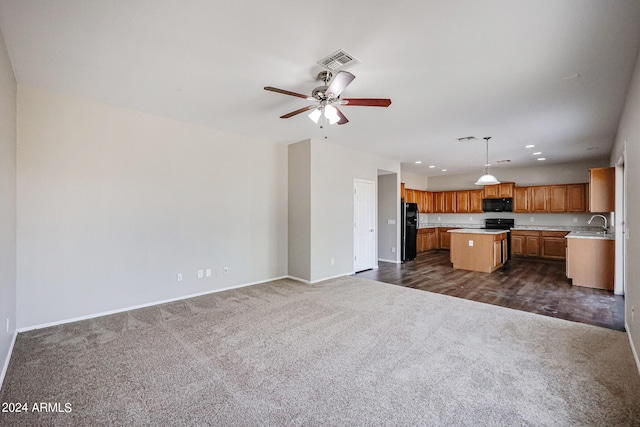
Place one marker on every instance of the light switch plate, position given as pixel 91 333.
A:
pixel 470 242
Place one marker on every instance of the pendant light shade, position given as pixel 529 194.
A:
pixel 487 178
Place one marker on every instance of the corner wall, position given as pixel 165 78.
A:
pixel 629 135
pixel 332 169
pixel 113 204
pixel 7 206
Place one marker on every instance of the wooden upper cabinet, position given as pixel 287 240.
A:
pixel 557 198
pixel 504 189
pixel 410 196
pixel 438 202
pixel 576 197
pixel 462 201
pixel 538 198
pixel 427 202
pixel 402 191
pixel 521 199
pixel 492 191
pixel 475 200
pixel 449 201
pixel 418 199
pixel 602 189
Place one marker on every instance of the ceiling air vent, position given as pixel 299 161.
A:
pixel 338 60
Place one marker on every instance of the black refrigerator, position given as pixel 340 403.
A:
pixel 409 230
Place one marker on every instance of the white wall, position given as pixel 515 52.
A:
pixel 113 203
pixel 414 181
pixel 565 173
pixel 332 172
pixel 7 206
pixel 629 134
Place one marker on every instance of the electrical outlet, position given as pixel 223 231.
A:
pixel 179 277
pixel 208 272
pixel 470 218
pixel 530 219
pixel 575 219
pixel 200 274
pixel 333 261
pixel 393 249
pixel 225 270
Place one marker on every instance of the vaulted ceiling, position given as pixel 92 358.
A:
pixel 550 73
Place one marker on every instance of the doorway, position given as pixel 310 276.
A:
pixel 364 225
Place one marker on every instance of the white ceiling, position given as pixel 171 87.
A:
pixel 453 68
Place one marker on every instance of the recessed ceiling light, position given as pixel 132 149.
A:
pixel 443 170
pixel 432 166
pixel 529 146
pixel 541 158
pixel 418 162
pixel 537 153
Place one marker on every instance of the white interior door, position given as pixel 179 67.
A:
pixel 364 225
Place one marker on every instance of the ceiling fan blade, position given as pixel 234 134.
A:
pixel 343 120
pixel 301 110
pixel 339 83
pixel 367 102
pixel 285 92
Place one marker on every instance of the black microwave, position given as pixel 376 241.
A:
pixel 497 205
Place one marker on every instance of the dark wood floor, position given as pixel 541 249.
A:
pixel 533 285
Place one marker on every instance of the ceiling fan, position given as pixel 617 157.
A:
pixel 327 98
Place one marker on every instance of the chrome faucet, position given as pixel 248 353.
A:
pixel 601 216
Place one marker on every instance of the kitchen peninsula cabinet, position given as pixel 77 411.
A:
pixel 591 261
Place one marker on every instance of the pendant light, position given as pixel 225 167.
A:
pixel 487 178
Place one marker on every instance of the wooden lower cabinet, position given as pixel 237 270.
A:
pixel 554 244
pixel 427 239
pixel 535 243
pixel 525 243
pixel 444 238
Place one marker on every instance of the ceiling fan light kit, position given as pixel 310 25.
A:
pixel 327 98
pixel 487 178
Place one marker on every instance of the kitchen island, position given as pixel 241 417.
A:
pixel 478 249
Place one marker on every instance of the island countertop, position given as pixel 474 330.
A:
pixel 477 231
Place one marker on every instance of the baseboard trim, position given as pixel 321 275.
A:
pixel 313 282
pixel 121 310
pixel 393 261
pixel 5 366
pixel 633 348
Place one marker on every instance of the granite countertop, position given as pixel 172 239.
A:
pixel 477 231
pixel 599 235
pixel 449 225
pixel 569 229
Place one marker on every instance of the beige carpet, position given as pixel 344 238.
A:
pixel 344 352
